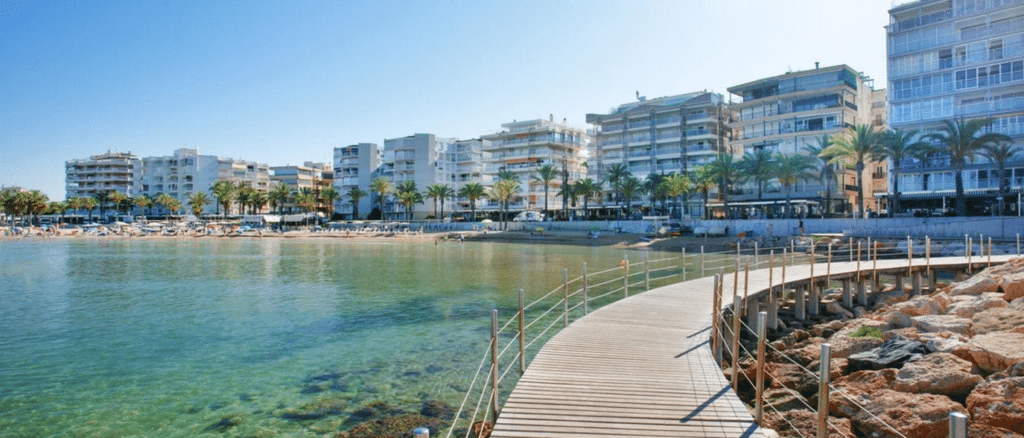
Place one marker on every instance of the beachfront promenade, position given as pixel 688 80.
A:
pixel 643 366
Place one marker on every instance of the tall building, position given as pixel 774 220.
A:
pixel 419 158
pixel 112 171
pixel 186 172
pixel 354 167
pixel 788 113
pixel 523 147
pixel 309 176
pixel 466 159
pixel 672 134
pixel 956 59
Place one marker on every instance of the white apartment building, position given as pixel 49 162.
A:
pixel 420 158
pixel 672 134
pixel 309 175
pixel 354 167
pixel 112 171
pixel 524 147
pixel 951 60
pixel 466 163
pixel 790 112
pixel 187 172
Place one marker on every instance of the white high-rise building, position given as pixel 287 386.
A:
pixel 421 159
pixel 109 172
pixel 354 167
pixel 187 172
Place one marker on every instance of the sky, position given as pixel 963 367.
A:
pixel 285 82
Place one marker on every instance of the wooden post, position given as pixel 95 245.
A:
pixel 970 251
pixel 928 257
pixel 874 268
pixel 825 364
pixel 1018 243
pixel 494 363
pixel 773 305
pixel 851 249
pixel 684 263
pixel 625 275
pixel 647 270
pixel 828 266
pixel 746 288
pixel 737 310
pixel 812 287
pixel 910 255
pixel 990 251
pixel 565 299
pixel 762 318
pixel 702 260
pixel 717 317
pixel 757 257
pixel 586 286
pixel 782 288
pixel 522 333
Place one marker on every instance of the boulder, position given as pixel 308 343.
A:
pixel 942 323
pixel 808 352
pixel 836 308
pixel 967 308
pixel 998 403
pixel 843 345
pixel 976 285
pixel 995 352
pixel 891 354
pixel 889 298
pixel 977 430
pixel 917 306
pixel 1012 286
pixel 997 319
pixel 784 399
pixel 857 383
pixel 804 423
pixel 943 342
pixel 791 376
pixel 894 319
pixel 938 373
pixel 913 415
pixel 1017 304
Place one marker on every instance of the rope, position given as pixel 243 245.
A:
pixel 466 397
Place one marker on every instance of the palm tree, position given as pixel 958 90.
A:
pixel 89 203
pixel 503 190
pixel 703 180
pixel 305 199
pixel 244 195
pixel 355 194
pixel 58 207
pixel 675 186
pixel 166 202
pixel 757 166
pixel 224 190
pixel 587 188
pixel 789 170
pixel 630 185
pixel 569 197
pixel 999 153
pixel 328 195
pixel 961 140
pixel 437 191
pixel 505 174
pixel 616 173
pixel 74 203
pixel 408 195
pixel 655 189
pixel 119 200
pixel 826 174
pixel 102 198
pixel 472 192
pixel 33 203
pixel 143 202
pixel 898 145
pixel 860 144
pixel 545 174
pixel 197 201
pixel 277 196
pixel 258 200
pixel 723 170
pixel 381 186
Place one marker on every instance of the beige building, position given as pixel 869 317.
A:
pixel 309 176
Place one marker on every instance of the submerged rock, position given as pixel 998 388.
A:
pixel 224 424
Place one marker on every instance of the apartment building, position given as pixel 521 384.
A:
pixel 523 147
pixel 950 60
pixel 420 158
pixel 788 113
pixel 112 171
pixel 467 160
pixel 672 134
pixel 354 167
pixel 309 176
pixel 187 171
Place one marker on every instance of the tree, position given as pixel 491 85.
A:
pixel 381 186
pixel 472 192
pixel 569 197
pixel 503 190
pixel 789 170
pixel 143 202
pixel 999 153
pixel 258 200
pixel 74 203
pixel 616 174
pixel 723 172
pixel 703 180
pixel 757 167
pixel 675 186
pixel 437 191
pixel 328 195
pixel 57 207
pixel 630 186
pixel 655 190
pixel 244 195
pixel 860 144
pixel 198 201
pixel 826 174
pixel 587 188
pixel 277 196
pixel 961 139
pixel 224 191
pixel 545 174
pixel 408 196
pixel 355 194
pixel 305 199
pixel 89 203
pixel 119 201
pixel 505 174
pixel 102 199
pixel 168 203
pixel 898 145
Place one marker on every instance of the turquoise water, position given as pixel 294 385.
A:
pixel 125 338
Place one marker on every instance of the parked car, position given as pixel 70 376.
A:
pixel 528 216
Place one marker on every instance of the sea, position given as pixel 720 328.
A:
pixel 232 337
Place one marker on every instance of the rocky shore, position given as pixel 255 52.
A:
pixel 905 362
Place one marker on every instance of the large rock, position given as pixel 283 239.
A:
pixel 894 319
pixel 843 345
pixel 976 285
pixel 997 319
pixel 891 354
pixel 791 376
pixel 938 373
pixel 978 430
pixel 943 342
pixel 967 308
pixel 995 352
pixel 913 415
pixel 860 382
pixel 917 306
pixel 942 323
pixel 1012 286
pixel 999 403
pixel 804 423
pixel 784 399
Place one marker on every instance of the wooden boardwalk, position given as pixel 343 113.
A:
pixel 642 367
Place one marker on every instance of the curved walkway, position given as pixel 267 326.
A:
pixel 642 367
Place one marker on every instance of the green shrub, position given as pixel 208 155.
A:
pixel 867 332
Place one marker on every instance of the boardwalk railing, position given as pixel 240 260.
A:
pixel 514 341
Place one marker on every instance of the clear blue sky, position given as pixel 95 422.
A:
pixel 282 82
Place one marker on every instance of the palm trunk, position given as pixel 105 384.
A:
pixel 860 188
pixel 961 200
pixel 895 191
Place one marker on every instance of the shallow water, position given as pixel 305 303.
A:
pixel 124 338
